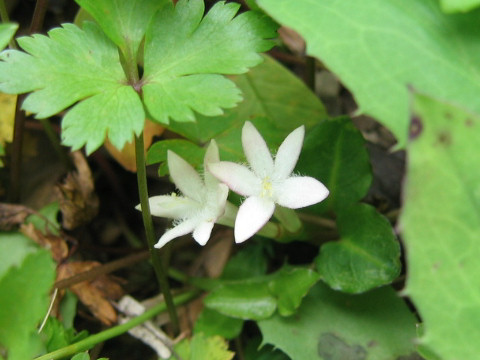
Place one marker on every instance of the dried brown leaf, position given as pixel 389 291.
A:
pixel 77 198
pixel 12 215
pixel 95 294
pixel 56 244
pixel 126 156
pixel 292 39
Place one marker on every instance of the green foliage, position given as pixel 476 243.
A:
pixel 441 226
pixel 451 6
pixel 124 22
pixel 84 356
pixel 259 297
pixel 333 326
pixel 181 67
pixel 275 101
pixel 211 323
pixel 334 152
pixel 26 275
pixel 184 148
pixel 201 347
pixel 46 221
pixel 367 254
pixel 6 33
pixel 379 47
pixel 55 335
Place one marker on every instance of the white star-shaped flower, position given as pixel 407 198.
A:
pixel 202 201
pixel 267 182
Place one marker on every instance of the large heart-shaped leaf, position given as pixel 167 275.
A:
pixel 441 226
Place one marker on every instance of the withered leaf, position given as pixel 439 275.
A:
pixel 95 294
pixel 56 244
pixel 12 215
pixel 77 198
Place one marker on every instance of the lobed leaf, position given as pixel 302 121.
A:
pixel 124 22
pixel 333 326
pixel 367 254
pixel 378 48
pixel 72 65
pixel 184 53
pixel 440 223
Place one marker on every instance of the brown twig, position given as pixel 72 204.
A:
pixel 102 270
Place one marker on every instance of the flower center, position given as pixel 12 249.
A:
pixel 267 188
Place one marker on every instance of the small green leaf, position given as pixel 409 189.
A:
pixel 380 47
pixel 201 347
pixel 367 254
pixel 6 33
pixel 26 275
pixel 211 323
pixel 49 212
pixel 259 297
pixel 124 22
pixel 251 261
pixel 440 223
pixel 72 65
pixel 333 326
pixel 334 152
pixel 184 55
pixel 184 148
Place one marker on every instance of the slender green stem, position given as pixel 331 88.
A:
pixel 90 341
pixel 3 12
pixel 150 233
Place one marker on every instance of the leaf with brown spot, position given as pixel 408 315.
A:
pixel 95 294
pixel 126 156
pixel 56 244
pixel 78 201
pixel 12 215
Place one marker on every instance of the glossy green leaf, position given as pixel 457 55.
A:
pixel 251 261
pixel 201 347
pixel 367 254
pixel 72 65
pixel 26 275
pixel 191 152
pixel 185 53
pixel 6 33
pixel 441 226
pixel 378 48
pixel 255 350
pixel 333 326
pixel 450 6
pixel 259 297
pixel 211 323
pixel 275 100
pixel 124 22
pixel 334 152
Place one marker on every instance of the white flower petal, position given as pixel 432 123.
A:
pixel 252 215
pixel 181 229
pixel 172 206
pixel 185 177
pixel 288 153
pixel 202 232
pixel 298 192
pixel 256 151
pixel 237 177
pixel 221 200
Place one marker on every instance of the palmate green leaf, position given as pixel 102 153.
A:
pixel 71 65
pixel 450 6
pixel 185 53
pixel 275 100
pixel 367 254
pixel 440 223
pixel 378 48
pixel 259 297
pixel 333 326
pixel 124 22
pixel 334 152
pixel 26 275
pixel 211 323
